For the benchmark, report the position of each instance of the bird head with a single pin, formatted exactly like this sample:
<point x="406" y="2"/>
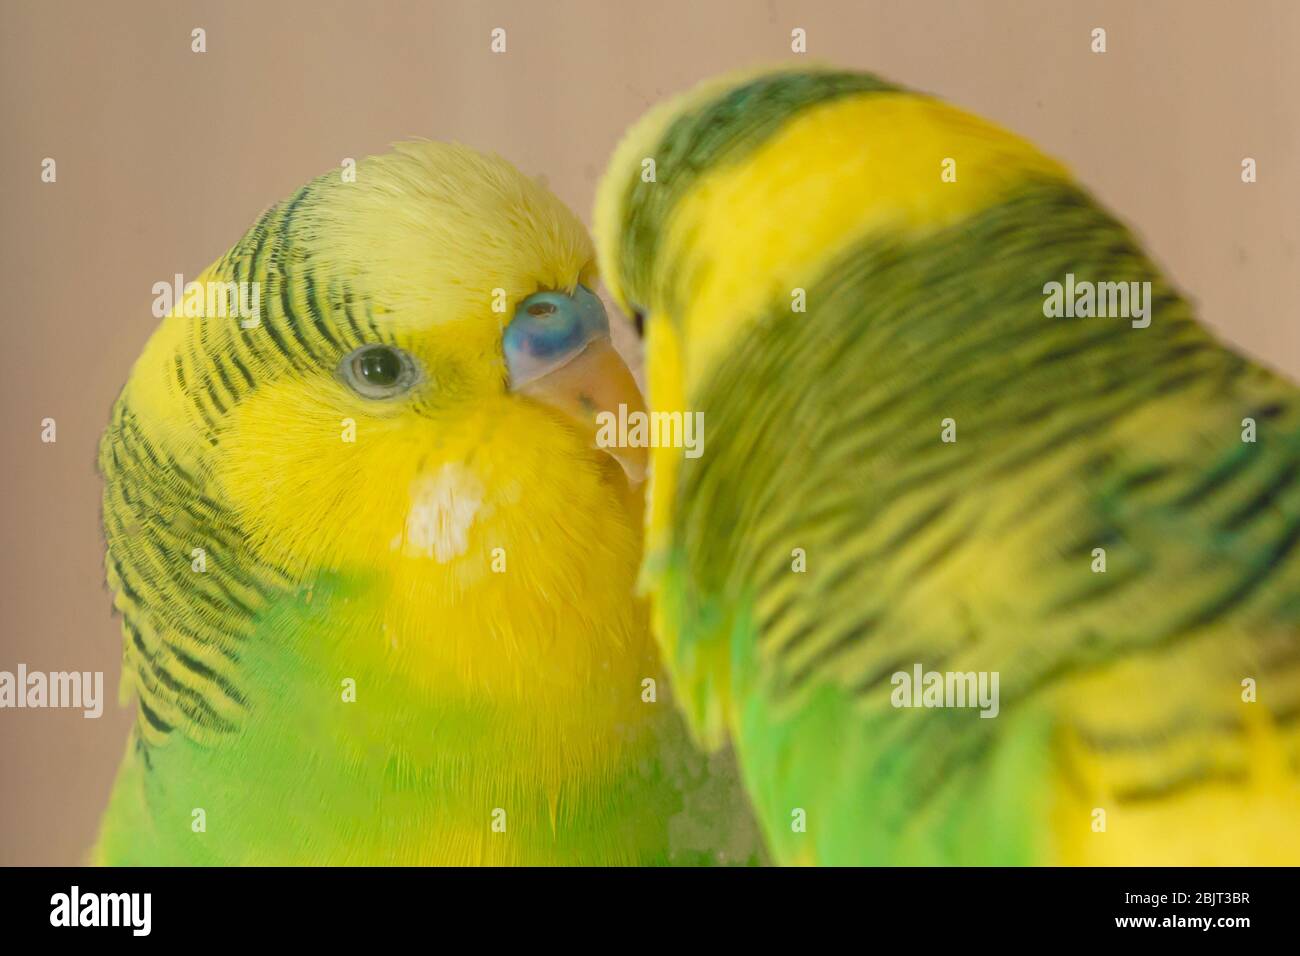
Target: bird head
<point x="412" y="398"/>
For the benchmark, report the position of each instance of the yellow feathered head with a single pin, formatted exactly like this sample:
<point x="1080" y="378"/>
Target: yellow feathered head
<point x="401" y="385"/>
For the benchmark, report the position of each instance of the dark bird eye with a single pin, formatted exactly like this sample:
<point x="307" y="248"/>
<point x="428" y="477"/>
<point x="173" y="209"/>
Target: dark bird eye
<point x="638" y="320"/>
<point x="379" y="371"/>
<point x="380" y="367"/>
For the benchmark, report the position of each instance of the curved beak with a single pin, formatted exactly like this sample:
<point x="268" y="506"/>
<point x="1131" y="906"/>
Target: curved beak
<point x="577" y="371"/>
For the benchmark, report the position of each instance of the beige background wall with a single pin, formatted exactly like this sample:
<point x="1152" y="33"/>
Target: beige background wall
<point x="165" y="157"/>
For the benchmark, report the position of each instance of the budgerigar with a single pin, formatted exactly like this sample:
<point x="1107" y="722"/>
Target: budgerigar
<point x="375" y="580"/>
<point x="920" y="460"/>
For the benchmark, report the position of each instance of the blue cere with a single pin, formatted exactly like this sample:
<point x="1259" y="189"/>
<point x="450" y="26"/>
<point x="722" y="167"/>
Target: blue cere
<point x="548" y="327"/>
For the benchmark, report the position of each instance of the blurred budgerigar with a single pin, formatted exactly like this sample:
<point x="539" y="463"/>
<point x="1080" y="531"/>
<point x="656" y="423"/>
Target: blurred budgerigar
<point x="993" y="551"/>
<point x="375" y="579"/>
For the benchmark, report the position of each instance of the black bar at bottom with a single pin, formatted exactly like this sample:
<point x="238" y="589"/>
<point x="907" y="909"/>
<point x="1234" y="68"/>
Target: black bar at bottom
<point x="332" y="905"/>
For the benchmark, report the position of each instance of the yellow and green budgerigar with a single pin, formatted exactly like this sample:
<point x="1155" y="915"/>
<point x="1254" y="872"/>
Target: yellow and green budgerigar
<point x="375" y="580"/>
<point x="923" y="472"/>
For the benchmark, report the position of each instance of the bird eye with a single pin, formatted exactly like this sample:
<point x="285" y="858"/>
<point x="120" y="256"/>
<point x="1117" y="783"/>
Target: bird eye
<point x="379" y="371"/>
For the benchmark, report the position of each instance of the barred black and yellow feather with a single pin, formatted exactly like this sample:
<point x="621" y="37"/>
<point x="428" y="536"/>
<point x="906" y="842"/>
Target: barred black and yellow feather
<point x="183" y="629"/>
<point x="392" y="628"/>
<point x="1120" y="690"/>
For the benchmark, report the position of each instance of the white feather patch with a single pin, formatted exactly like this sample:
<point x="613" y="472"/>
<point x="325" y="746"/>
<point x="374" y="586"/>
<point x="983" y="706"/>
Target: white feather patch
<point x="443" y="508"/>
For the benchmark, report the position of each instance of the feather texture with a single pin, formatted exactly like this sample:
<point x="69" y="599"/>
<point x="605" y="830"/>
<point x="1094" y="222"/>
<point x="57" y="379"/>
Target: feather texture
<point x="409" y="635"/>
<point x="1120" y="691"/>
